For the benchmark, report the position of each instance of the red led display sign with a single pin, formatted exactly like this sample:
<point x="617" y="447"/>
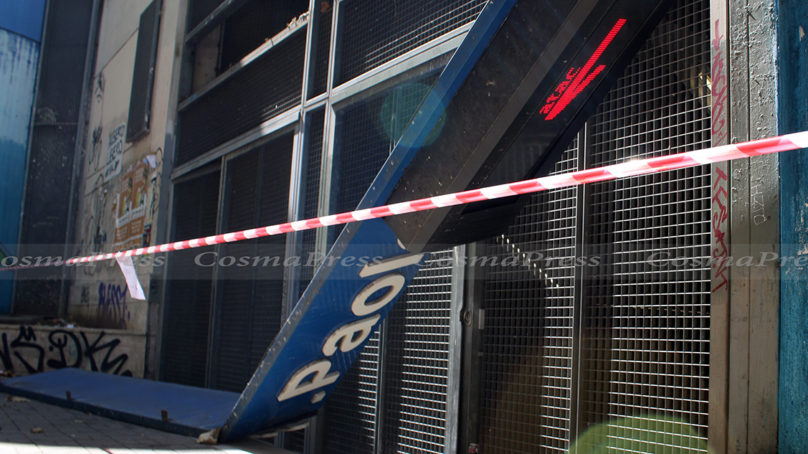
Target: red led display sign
<point x="578" y="78"/>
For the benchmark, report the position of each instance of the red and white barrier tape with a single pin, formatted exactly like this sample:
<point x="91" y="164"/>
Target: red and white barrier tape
<point x="626" y="169"/>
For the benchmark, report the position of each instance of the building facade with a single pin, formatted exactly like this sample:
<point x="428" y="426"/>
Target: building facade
<point x="617" y="310"/>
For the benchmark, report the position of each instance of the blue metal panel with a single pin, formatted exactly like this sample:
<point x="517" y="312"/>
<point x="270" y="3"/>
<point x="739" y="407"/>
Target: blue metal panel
<point x="18" y="68"/>
<point x="326" y="304"/>
<point x="23" y="17"/>
<point x="793" y="117"/>
<point x="187" y="409"/>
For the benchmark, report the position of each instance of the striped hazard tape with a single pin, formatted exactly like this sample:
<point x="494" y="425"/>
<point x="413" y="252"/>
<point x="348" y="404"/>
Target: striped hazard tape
<point x="625" y="169"/>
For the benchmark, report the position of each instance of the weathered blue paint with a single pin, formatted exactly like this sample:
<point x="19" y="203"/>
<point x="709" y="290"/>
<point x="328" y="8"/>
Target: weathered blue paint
<point x="18" y="68"/>
<point x="793" y="116"/>
<point x="23" y="17"/>
<point x="188" y="410"/>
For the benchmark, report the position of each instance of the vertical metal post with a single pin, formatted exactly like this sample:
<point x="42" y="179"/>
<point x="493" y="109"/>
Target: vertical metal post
<point x="720" y="235"/>
<point x="328" y="136"/>
<point x="215" y="291"/>
<point x="315" y="433"/>
<point x="579" y="289"/>
<point x="455" y="351"/>
<point x="291" y="274"/>
<point x="471" y="316"/>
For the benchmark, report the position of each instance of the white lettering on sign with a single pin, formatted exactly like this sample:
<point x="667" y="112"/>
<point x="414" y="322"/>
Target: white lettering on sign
<point x="392" y="282"/>
<point x="351" y="335"/>
<point x="318" y="370"/>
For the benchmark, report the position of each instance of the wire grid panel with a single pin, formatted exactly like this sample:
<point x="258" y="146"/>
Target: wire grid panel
<point x="646" y="332"/>
<point x="350" y="413"/>
<point x="416" y="365"/>
<point x="373" y="32"/>
<point x="528" y="299"/>
<point x="250" y="297"/>
<point x="253" y="23"/>
<point x="257" y="92"/>
<point x="366" y="132"/>
<point x="187" y="308"/>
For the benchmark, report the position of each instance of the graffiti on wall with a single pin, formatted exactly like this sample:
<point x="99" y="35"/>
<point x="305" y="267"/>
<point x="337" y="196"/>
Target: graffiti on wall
<point x="28" y="352"/>
<point x="112" y="307"/>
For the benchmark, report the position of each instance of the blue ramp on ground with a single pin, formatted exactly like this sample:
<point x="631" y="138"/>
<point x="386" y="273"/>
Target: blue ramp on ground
<point x="186" y="409"/>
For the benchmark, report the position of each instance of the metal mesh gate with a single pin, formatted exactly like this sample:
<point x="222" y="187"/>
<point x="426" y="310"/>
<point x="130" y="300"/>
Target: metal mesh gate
<point x="185" y="333"/>
<point x="417" y="361"/>
<point x="249" y="290"/>
<point x="526" y="401"/>
<point x="394" y="398"/>
<point x="641" y="368"/>
<point x="646" y="326"/>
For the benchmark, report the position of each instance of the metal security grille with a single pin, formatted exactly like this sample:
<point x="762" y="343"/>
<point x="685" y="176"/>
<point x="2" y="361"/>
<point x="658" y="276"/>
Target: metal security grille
<point x="252" y="24"/>
<point x="261" y="90"/>
<point x="350" y="414"/>
<point x="645" y="326"/>
<point x="641" y="368"/>
<point x="188" y="298"/>
<point x="528" y="298"/>
<point x="366" y="133"/>
<point x="361" y="147"/>
<point x="413" y="368"/>
<point x="373" y="32"/>
<point x="249" y="298"/>
<point x="416" y="361"/>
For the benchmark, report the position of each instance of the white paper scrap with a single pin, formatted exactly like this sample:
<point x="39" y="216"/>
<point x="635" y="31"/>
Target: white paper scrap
<point x="128" y="270"/>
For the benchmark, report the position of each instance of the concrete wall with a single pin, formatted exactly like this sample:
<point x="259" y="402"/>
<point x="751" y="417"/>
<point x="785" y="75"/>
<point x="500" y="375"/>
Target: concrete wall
<point x="20" y="33"/>
<point x="120" y="187"/>
<point x="27" y="349"/>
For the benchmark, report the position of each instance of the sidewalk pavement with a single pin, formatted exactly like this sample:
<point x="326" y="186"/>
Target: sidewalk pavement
<point x="31" y="427"/>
